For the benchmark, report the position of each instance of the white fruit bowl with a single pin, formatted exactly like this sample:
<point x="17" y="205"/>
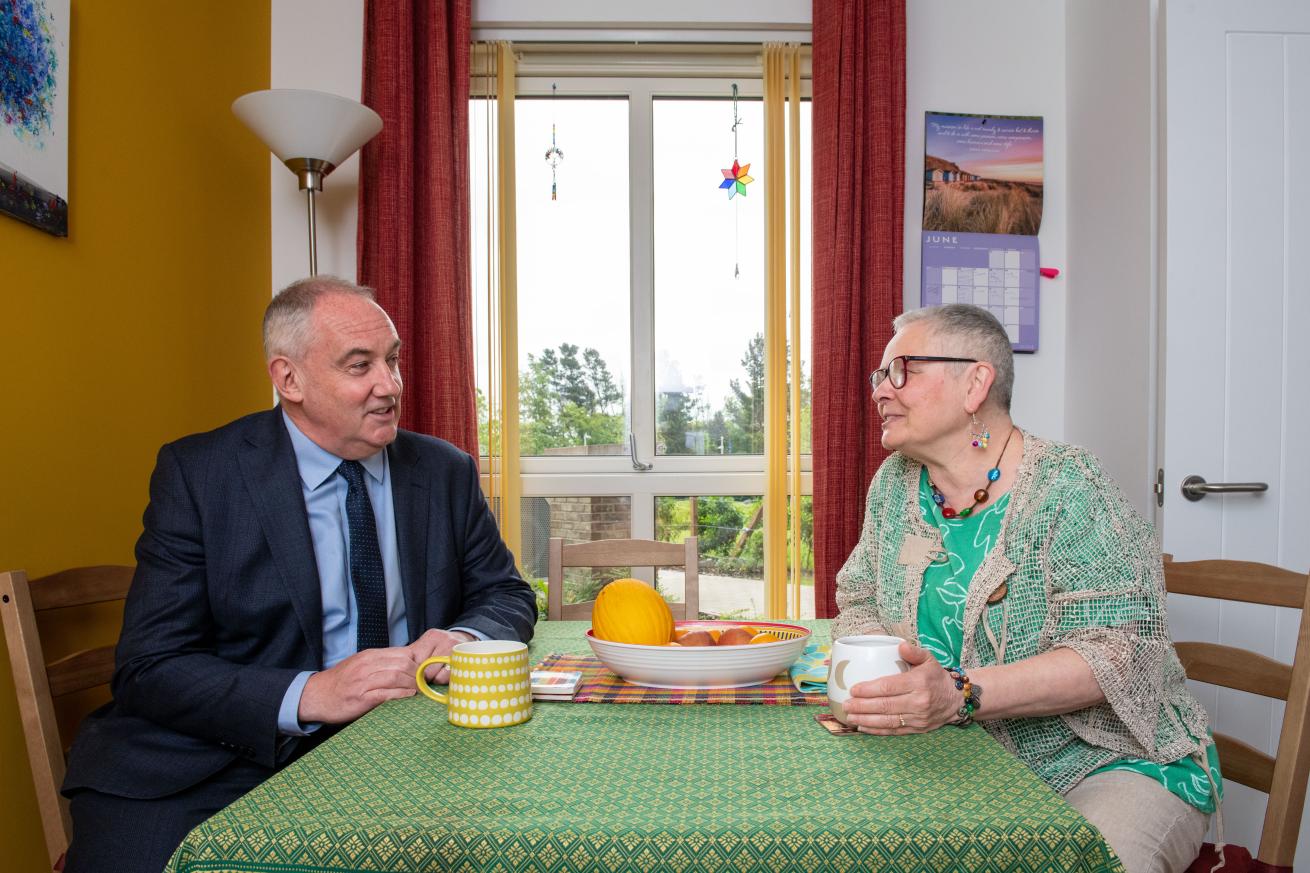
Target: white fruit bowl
<point x="705" y="666"/>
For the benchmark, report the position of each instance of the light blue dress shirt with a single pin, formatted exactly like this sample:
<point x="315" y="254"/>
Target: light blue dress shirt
<point x="325" y="502"/>
<point x="324" y="491"/>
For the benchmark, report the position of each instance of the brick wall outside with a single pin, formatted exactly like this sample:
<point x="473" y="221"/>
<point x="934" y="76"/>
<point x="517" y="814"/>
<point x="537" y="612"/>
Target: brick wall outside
<point x="576" y="519"/>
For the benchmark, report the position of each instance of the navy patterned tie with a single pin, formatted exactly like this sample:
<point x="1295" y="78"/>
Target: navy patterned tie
<point x="365" y="561"/>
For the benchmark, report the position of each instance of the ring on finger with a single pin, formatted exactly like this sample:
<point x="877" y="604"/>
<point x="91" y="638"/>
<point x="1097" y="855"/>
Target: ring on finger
<point x="902" y="720"/>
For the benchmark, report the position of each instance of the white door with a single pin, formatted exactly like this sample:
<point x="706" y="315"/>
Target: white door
<point x="1237" y="330"/>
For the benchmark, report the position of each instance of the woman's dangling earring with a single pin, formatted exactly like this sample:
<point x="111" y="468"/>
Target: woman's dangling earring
<point x="978" y="432"/>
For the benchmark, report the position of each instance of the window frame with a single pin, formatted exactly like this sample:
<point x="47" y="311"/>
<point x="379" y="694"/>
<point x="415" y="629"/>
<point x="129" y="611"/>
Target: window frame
<point x="670" y="475"/>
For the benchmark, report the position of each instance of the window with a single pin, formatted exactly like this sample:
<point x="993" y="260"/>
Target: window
<point x="731" y="546"/>
<point x="640" y="322"/>
<point x="709" y="286"/>
<point x="573" y="266"/>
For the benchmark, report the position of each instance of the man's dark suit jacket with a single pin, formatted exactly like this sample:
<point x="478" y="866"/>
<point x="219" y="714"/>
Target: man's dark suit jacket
<point x="225" y="608"/>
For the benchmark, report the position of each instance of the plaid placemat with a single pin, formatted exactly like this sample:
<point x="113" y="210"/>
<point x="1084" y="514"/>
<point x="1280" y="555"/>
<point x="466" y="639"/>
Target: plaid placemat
<point x="601" y="685"/>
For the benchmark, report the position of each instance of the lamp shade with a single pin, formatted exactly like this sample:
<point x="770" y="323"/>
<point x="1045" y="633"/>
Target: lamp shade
<point x="298" y="124"/>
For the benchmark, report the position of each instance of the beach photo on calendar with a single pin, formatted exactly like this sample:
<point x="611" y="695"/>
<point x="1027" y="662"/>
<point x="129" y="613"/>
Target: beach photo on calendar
<point x="982" y="173"/>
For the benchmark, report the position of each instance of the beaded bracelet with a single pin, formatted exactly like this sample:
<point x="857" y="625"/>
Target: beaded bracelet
<point x="972" y="696"/>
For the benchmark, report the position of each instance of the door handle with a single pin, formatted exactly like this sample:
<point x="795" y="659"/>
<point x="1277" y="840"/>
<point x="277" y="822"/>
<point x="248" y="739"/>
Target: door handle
<point x="1194" y="487"/>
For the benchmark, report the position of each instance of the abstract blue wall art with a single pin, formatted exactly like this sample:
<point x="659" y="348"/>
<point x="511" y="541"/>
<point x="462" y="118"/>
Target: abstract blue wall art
<point x="34" y="112"/>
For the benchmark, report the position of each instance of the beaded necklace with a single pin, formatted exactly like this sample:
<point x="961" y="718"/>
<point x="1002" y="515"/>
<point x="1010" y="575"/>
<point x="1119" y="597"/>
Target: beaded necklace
<point x="979" y="496"/>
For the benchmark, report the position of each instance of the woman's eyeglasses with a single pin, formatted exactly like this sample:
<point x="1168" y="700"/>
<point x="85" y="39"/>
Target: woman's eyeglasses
<point x="897" y="373"/>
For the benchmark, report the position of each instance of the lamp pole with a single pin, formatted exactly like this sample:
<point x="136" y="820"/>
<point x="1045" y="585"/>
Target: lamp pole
<point x="309" y="174"/>
<point x="313" y="235"/>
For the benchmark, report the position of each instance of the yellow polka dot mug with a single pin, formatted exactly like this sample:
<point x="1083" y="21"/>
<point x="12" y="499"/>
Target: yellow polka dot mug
<point x="490" y="684"/>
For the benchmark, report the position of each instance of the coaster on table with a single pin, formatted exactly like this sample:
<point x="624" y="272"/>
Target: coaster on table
<point x="829" y="722"/>
<point x="555" y="684"/>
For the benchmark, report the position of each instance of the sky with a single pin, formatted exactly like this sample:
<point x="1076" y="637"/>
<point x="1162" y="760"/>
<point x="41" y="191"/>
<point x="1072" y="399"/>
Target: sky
<point x="994" y="148"/>
<point x="573" y="253"/>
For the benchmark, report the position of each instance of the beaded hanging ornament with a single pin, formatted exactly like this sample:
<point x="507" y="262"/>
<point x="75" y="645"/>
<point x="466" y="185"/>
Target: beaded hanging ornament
<point x="980" y="435"/>
<point x="735" y="180"/>
<point x="553" y="154"/>
<point x="980" y="496"/>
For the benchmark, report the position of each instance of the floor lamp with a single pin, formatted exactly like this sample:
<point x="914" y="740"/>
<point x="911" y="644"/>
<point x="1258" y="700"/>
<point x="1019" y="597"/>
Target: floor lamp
<point x="311" y="132"/>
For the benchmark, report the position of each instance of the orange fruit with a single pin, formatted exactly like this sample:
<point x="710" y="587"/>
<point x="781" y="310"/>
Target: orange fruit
<point x="736" y="636"/>
<point x="765" y="637"/>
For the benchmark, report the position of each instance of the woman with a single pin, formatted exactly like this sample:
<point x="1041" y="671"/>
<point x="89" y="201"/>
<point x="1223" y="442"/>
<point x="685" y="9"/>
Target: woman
<point x="1017" y="565"/>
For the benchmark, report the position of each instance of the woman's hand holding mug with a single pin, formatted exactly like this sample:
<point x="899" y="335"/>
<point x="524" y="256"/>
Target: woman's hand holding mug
<point x="885" y="685"/>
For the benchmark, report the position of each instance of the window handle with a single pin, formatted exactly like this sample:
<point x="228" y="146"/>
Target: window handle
<point x="636" y="462"/>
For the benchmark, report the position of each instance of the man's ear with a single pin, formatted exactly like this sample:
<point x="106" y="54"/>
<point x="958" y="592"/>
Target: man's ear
<point x="286" y="379"/>
<point x="981" y="377"/>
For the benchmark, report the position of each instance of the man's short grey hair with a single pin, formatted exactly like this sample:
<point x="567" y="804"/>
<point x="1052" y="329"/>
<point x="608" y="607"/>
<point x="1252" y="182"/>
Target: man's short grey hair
<point x="973" y="333"/>
<point x="286" y="320"/>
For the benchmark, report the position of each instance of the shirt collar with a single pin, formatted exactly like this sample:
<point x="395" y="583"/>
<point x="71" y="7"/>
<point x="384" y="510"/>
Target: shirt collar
<point x="316" y="464"/>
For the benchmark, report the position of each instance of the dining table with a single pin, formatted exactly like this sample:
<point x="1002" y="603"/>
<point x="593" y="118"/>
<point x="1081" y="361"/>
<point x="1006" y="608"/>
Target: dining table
<point x="639" y="786"/>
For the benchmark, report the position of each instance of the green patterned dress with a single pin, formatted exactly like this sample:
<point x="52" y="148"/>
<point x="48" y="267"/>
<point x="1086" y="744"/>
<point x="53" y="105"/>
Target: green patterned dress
<point x="966" y="542"/>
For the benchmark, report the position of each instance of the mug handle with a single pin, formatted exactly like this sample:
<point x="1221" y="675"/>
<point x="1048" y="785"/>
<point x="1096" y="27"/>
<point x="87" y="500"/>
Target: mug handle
<point x="422" y="683"/>
<point x="838" y="679"/>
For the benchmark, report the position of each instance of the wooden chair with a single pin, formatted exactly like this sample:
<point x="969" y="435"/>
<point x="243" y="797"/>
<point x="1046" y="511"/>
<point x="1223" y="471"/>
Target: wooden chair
<point x="621" y="553"/>
<point x="1282" y="777"/>
<point x="39" y="683"/>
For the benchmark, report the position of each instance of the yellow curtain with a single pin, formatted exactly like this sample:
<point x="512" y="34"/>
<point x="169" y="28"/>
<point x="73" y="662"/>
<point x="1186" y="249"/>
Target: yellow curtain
<point x="781" y="166"/>
<point x="504" y="487"/>
<point x="794" y="307"/>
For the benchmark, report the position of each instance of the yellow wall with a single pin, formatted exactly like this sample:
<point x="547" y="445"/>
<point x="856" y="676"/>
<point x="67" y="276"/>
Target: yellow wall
<point x="143" y="324"/>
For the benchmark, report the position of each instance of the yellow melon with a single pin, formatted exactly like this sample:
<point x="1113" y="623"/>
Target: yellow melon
<point x="630" y="611"/>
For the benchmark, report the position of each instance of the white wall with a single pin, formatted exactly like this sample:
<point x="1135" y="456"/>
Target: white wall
<point x="999" y="57"/>
<point x="1008" y="57"/>
<point x="316" y="44"/>
<point x="1110" y="380"/>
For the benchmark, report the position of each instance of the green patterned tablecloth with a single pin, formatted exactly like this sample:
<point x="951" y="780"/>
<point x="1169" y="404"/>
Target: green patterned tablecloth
<point x="641" y="787"/>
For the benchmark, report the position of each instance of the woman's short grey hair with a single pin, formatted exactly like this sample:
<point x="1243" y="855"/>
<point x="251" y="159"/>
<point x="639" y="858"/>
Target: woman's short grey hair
<point x="286" y="320"/>
<point x="974" y="333"/>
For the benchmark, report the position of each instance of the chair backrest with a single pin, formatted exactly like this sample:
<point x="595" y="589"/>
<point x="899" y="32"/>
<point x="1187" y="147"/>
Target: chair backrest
<point x="621" y="553"/>
<point x="39" y="683"/>
<point x="1282" y="777"/>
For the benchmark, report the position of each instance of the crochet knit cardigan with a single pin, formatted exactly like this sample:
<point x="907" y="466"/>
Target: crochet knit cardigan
<point x="1080" y="569"/>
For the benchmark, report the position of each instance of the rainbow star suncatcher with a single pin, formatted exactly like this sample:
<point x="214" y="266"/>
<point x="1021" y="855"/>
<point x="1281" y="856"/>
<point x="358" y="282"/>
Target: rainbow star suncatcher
<point x="735" y="179"/>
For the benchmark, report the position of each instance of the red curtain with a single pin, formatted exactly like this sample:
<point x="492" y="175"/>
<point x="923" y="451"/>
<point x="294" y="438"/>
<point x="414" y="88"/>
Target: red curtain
<point x="859" y="185"/>
<point x="413" y="240"/>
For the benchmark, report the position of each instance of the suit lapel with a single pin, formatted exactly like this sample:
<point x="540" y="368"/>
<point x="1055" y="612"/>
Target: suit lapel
<point x="268" y="466"/>
<point x="410" y="500"/>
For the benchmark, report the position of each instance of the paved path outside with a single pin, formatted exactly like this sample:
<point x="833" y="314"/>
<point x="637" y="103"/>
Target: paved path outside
<point x="724" y="594"/>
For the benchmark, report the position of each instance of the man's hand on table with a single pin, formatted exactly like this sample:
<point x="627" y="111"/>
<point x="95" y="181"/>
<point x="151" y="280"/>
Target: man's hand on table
<point x="436" y="642"/>
<point x="354" y="686"/>
<point x="359" y="683"/>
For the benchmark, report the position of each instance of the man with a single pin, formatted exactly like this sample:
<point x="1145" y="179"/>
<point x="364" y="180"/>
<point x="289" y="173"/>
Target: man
<point x="295" y="568"/>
